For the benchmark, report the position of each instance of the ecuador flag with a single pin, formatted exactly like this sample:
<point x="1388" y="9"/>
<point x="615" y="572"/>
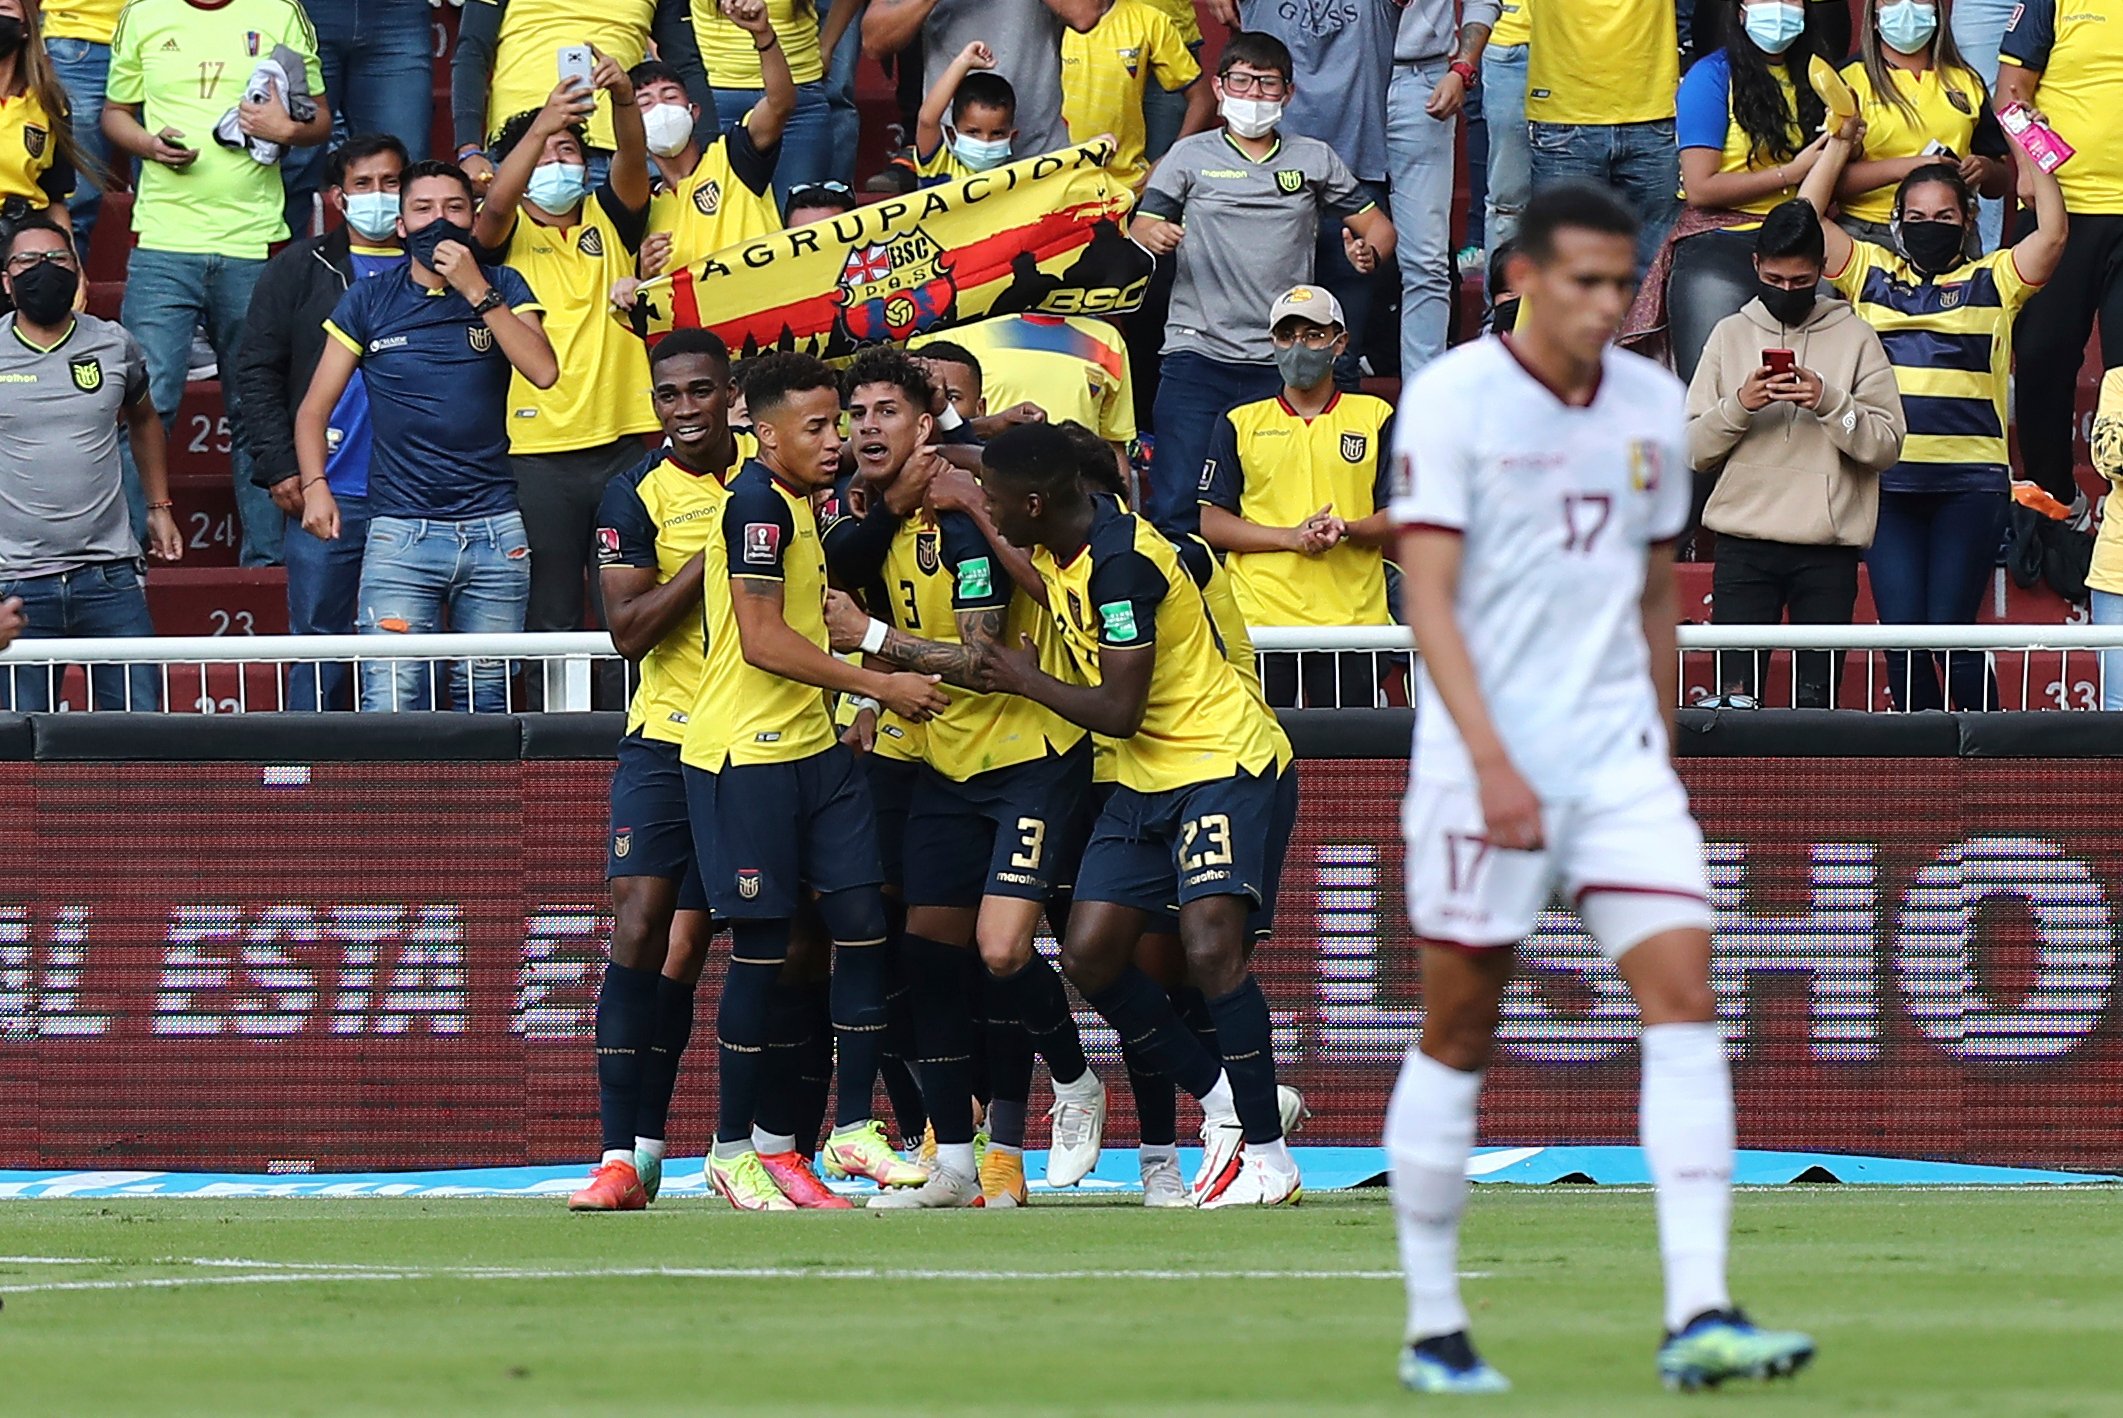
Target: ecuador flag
<point x="1043" y="235"/>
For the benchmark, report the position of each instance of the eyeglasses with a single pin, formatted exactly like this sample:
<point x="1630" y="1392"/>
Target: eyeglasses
<point x="24" y="262"/>
<point x="1317" y="337"/>
<point x="1266" y="85"/>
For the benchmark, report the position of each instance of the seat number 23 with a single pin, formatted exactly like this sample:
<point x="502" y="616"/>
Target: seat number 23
<point x="1205" y="842"/>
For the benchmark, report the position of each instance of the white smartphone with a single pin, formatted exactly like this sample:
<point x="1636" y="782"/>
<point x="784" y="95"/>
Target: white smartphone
<point x="576" y="63"/>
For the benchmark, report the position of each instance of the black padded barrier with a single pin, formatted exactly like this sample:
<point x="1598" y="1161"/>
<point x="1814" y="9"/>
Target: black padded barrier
<point x="277" y="738"/>
<point x="18" y="742"/>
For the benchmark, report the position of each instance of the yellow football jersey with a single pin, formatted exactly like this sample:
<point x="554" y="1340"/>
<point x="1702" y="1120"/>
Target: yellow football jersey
<point x="527" y="59"/>
<point x="719" y="205"/>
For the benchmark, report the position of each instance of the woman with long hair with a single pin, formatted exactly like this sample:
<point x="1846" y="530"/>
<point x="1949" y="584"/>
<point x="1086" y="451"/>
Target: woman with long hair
<point x="39" y="161"/>
<point x="1922" y="104"/>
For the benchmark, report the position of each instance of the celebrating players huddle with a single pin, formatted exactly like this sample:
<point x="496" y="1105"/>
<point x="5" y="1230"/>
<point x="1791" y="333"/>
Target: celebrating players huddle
<point x="888" y="719"/>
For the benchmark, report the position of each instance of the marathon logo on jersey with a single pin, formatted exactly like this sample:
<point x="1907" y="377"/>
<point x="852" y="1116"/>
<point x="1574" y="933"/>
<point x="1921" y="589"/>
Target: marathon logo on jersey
<point x="748" y="882"/>
<point x="1644" y="465"/>
<point x="388" y="342"/>
<point x="762" y="543"/>
<point x="707" y="198"/>
<point x="1355" y="446"/>
<point x="87" y="372"/>
<point x="591" y="242"/>
<point x="1118" y="617"/>
<point x="479" y="337"/>
<point x="34" y="139"/>
<point x="927" y="555"/>
<point x="622" y="842"/>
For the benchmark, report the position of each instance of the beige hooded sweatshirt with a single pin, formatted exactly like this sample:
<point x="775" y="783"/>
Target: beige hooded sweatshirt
<point x="1804" y="477"/>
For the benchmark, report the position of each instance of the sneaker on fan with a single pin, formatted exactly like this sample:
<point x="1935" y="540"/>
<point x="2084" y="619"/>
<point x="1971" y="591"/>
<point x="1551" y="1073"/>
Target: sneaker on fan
<point x="944" y="1190"/>
<point x="1163" y="1186"/>
<point x="792" y="1174"/>
<point x="1079" y="1115"/>
<point x="614" y="1186"/>
<point x="1259" y="1183"/>
<point x="1223" y="1140"/>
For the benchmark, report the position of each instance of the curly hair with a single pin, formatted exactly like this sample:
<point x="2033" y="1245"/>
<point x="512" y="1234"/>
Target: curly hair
<point x="1774" y="133"/>
<point x="888" y="364"/>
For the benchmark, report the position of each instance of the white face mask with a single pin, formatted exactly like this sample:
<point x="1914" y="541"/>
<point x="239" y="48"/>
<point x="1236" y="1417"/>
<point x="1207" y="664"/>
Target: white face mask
<point x="669" y="128"/>
<point x="1250" y="117"/>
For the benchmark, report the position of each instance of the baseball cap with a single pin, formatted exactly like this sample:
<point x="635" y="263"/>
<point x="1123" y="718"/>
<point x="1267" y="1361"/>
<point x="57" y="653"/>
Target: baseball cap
<point x="1314" y="303"/>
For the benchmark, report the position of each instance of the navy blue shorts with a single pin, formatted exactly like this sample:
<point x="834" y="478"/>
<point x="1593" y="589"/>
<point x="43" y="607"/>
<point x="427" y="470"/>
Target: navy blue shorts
<point x="891" y="791"/>
<point x="1013" y="831"/>
<point x="778" y="831"/>
<point x="651" y="834"/>
<point x="1280" y="829"/>
<point x="1153" y="851"/>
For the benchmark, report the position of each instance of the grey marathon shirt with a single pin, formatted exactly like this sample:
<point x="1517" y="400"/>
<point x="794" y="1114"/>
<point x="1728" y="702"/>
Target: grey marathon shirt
<point x="62" y="495"/>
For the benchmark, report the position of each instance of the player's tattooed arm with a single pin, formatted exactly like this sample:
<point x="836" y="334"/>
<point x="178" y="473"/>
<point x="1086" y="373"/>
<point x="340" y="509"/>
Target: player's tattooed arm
<point x="771" y="645"/>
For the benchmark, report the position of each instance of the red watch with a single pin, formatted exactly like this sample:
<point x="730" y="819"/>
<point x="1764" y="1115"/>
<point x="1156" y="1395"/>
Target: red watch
<point x="1466" y="71"/>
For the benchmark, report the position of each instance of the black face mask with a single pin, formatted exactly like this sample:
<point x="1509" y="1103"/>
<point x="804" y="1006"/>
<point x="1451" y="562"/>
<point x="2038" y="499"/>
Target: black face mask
<point x="1787" y="307"/>
<point x="1932" y="247"/>
<point x="11" y="35"/>
<point x="45" y="293"/>
<point x="1505" y="316"/>
<point x="420" y="245"/>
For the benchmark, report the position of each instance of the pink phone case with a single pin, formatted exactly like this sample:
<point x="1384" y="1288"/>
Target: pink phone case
<point x="2039" y="141"/>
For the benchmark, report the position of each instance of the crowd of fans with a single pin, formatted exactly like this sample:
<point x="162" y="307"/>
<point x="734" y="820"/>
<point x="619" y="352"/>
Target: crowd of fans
<point x="1839" y="292"/>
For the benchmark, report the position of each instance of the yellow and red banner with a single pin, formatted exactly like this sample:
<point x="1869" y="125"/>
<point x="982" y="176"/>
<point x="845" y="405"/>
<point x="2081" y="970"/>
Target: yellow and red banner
<point x="1045" y="235"/>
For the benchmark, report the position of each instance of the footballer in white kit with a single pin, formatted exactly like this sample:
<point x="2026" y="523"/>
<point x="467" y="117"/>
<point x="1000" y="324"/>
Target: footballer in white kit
<point x="1541" y="485"/>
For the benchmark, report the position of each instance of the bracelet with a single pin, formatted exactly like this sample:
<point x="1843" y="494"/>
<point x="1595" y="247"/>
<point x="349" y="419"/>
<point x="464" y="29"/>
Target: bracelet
<point x="772" y="40"/>
<point x="306" y="486"/>
<point x="468" y="149"/>
<point x="160" y="506"/>
<point x="873" y="639"/>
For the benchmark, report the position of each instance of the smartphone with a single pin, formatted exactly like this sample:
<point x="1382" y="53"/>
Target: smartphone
<point x="576" y="63"/>
<point x="1779" y="362"/>
<point x="2039" y="141"/>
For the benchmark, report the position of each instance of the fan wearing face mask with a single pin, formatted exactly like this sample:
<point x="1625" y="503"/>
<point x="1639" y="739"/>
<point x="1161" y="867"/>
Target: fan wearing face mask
<point x="1922" y="104"/>
<point x="573" y="245"/>
<point x="1947" y="323"/>
<point x="968" y="120"/>
<point x="714" y="195"/>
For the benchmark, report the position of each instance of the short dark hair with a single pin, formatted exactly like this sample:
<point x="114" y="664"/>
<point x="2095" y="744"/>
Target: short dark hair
<point x="1792" y="229"/>
<point x="693" y="341"/>
<point x="770" y="379"/>
<point x="888" y="364"/>
<point x="433" y="167"/>
<point x="655" y="71"/>
<point x="16" y="229"/>
<point x="836" y="195"/>
<point x="1499" y="259"/>
<point x="1040" y="455"/>
<point x="1261" y="51"/>
<point x="518" y="126"/>
<point x="951" y="352"/>
<point x="1094" y="458"/>
<point x="1944" y="172"/>
<point x="1572" y="205"/>
<point x="987" y="89"/>
<point x="360" y="148"/>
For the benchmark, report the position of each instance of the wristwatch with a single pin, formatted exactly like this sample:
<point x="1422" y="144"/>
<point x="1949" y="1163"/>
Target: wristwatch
<point x="1466" y="71"/>
<point x="489" y="301"/>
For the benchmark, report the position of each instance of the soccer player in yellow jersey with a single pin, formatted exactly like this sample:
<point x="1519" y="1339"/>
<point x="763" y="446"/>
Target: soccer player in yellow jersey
<point x="992" y="813"/>
<point x="780" y="811"/>
<point x="654" y="532"/>
<point x="1191" y="818"/>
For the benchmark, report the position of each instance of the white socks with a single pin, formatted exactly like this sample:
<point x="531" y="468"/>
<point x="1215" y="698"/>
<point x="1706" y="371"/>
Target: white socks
<point x="1684" y="1118"/>
<point x="955" y="1157"/>
<point x="1429" y="1136"/>
<point x="649" y="1147"/>
<point x="617" y="1154"/>
<point x="770" y="1144"/>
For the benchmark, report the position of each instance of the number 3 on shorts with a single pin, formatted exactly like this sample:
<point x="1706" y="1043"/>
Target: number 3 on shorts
<point x="1032" y="839"/>
<point x="1216" y="827"/>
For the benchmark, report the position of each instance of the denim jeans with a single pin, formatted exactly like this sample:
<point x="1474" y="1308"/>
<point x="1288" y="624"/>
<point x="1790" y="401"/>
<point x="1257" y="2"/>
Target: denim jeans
<point x="1510" y="160"/>
<point x="1978" y="30"/>
<point x="169" y="294"/>
<point x="1164" y="110"/>
<point x="1712" y="277"/>
<point x="1638" y="160"/>
<point x="2107" y="608"/>
<point x="1930" y="560"/>
<point x="1192" y="391"/>
<point x="840" y="96"/>
<point x="414" y="574"/>
<point x="84" y="67"/>
<point x="807" y="153"/>
<point x="1420" y="149"/>
<point x="106" y="598"/>
<point x="323" y="589"/>
<point x="378" y="74"/>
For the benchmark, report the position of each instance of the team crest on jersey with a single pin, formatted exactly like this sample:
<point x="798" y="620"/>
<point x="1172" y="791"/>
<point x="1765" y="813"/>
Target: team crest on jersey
<point x="1289" y="179"/>
<point x="479" y="337"/>
<point x="1950" y="297"/>
<point x="892" y="289"/>
<point x="87" y="372"/>
<point x="622" y="841"/>
<point x="35" y="139"/>
<point x="707" y="198"/>
<point x="591" y="242"/>
<point x="1644" y="465"/>
<point x="1131" y="58"/>
<point x="1354" y="446"/>
<point x="1960" y="101"/>
<point x="927" y="554"/>
<point x="1076" y="612"/>
<point x="762" y="543"/>
<point x="748" y="882"/>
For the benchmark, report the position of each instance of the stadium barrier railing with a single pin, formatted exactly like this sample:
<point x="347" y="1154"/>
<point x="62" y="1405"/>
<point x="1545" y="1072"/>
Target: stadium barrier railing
<point x="2025" y="667"/>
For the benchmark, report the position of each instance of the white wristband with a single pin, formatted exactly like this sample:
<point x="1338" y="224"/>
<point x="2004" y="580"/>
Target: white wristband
<point x="860" y="702"/>
<point x="873" y="639"/>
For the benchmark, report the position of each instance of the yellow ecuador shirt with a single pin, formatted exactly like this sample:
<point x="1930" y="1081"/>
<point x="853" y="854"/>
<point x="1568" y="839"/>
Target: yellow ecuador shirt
<point x="2107" y="445"/>
<point x="1106" y="71"/>
<point x="603" y="390"/>
<point x="1181" y="13"/>
<point x="2077" y="46"/>
<point x="1514" y="25"/>
<point x="27" y="148"/>
<point x="527" y="57"/>
<point x="728" y="199"/>
<point x="1232" y="631"/>
<point x="731" y="57"/>
<point x="742" y="714"/>
<point x="1602" y="62"/>
<point x="1947" y="107"/>
<point x="92" y="20"/>
<point x="1073" y="367"/>
<point x="1126" y="591"/>
<point x="1273" y="466"/>
<point x="663" y="515"/>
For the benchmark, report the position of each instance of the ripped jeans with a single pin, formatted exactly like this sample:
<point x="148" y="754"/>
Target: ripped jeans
<point x="413" y="571"/>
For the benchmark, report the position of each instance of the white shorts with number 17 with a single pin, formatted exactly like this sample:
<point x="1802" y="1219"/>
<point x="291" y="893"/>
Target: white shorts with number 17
<point x="1629" y="858"/>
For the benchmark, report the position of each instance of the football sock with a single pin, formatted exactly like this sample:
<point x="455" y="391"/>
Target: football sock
<point x="1684" y="1118"/>
<point x="650" y="1147"/>
<point x="626" y="1022"/>
<point x="1156" y="1104"/>
<point x="1010" y="1063"/>
<point x="1140" y="1013"/>
<point x="771" y="1144"/>
<point x="944" y="1036"/>
<point x="1244" y="1031"/>
<point x="1006" y="1123"/>
<point x="1035" y="997"/>
<point x="815" y="1078"/>
<point x="1429" y="1136"/>
<point x="659" y="1069"/>
<point x="858" y="995"/>
<point x="781" y="1086"/>
<point x="617" y="1154"/>
<point x="978" y="1001"/>
<point x="1193" y="1008"/>
<point x="956" y="1157"/>
<point x="1157" y="1152"/>
<point x="743" y="1023"/>
<point x="896" y="1065"/>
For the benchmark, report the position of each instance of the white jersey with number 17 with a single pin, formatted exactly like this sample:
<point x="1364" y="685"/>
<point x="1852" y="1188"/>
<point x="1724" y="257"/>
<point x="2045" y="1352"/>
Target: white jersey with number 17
<point x="1557" y="506"/>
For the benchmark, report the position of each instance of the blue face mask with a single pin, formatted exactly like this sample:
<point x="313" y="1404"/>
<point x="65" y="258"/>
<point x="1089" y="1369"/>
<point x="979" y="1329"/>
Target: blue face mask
<point x="372" y="215"/>
<point x="1907" y="26"/>
<point x="557" y="187"/>
<point x="980" y="154"/>
<point x="1775" y="27"/>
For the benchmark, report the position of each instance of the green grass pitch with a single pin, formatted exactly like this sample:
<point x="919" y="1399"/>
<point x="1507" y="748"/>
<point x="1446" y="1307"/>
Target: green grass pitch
<point x="1924" y="1302"/>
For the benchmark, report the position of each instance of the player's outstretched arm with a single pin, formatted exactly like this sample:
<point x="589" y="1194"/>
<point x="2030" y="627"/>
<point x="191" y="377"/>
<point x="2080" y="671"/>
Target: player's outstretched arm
<point x="1113" y="707"/>
<point x="773" y="646"/>
<point x="1662" y="613"/>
